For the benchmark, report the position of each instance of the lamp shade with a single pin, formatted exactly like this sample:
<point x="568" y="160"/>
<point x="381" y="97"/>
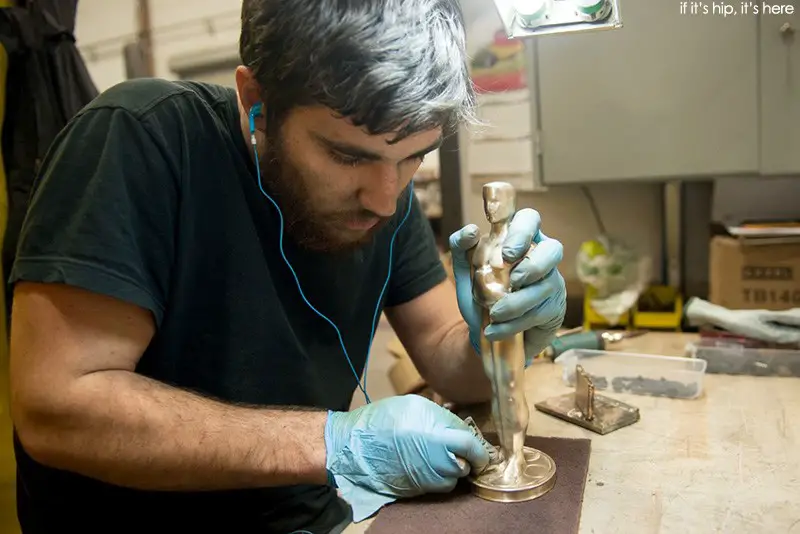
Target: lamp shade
<point x="530" y="18"/>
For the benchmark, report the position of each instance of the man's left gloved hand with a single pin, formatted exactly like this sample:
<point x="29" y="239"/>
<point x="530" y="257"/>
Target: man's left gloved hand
<point x="538" y="301"/>
<point x="398" y="447"/>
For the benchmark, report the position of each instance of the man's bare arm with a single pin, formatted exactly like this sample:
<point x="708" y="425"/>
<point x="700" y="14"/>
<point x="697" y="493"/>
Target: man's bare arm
<point x="77" y="405"/>
<point x="437" y="339"/>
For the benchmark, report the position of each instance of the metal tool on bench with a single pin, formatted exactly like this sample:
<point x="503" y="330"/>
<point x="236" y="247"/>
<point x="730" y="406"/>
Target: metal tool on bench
<point x="578" y="338"/>
<point x="517" y="472"/>
<point x="588" y="409"/>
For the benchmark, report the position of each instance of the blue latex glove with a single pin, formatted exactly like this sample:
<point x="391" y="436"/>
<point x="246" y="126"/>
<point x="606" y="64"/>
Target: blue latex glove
<point x="398" y="447"/>
<point x="782" y="327"/>
<point x="538" y="301"/>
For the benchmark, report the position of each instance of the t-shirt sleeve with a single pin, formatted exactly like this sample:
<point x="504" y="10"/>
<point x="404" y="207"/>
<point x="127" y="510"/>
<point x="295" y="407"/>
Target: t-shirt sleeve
<point x="102" y="214"/>
<point x="416" y="266"/>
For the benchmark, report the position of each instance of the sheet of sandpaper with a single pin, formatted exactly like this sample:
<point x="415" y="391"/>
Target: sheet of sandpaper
<point x="460" y="512"/>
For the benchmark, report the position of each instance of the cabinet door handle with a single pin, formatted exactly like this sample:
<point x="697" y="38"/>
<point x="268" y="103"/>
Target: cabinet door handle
<point x="787" y="29"/>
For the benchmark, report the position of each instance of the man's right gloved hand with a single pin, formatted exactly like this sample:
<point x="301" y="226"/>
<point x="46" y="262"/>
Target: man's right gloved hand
<point x="398" y="447"/>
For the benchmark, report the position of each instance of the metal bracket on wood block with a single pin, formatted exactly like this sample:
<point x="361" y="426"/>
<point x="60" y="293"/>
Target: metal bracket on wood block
<point x="589" y="410"/>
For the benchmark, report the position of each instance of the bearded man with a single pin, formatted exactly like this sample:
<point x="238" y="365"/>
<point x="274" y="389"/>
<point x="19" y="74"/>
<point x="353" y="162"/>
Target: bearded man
<point x="201" y="270"/>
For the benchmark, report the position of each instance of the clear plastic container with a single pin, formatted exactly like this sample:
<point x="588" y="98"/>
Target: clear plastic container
<point x="638" y="374"/>
<point x="737" y="360"/>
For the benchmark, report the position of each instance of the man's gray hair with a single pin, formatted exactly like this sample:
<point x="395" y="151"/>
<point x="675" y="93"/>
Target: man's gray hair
<point x="388" y="65"/>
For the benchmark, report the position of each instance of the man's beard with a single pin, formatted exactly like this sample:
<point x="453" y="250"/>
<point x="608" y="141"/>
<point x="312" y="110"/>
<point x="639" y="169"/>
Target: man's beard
<point x="303" y="224"/>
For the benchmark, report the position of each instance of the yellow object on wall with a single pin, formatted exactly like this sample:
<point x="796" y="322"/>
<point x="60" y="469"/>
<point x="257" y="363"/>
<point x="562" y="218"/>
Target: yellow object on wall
<point x="659" y="308"/>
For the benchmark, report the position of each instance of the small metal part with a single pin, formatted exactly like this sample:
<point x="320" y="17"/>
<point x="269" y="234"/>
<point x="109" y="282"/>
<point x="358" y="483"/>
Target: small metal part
<point x="584" y="393"/>
<point x="612" y="337"/>
<point x="589" y="410"/>
<point x="617" y="336"/>
<point x="536" y="478"/>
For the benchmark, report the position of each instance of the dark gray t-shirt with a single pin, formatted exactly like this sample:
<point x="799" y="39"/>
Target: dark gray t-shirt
<point x="149" y="195"/>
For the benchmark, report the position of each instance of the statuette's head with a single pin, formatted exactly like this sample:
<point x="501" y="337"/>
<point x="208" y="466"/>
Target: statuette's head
<point x="499" y="201"/>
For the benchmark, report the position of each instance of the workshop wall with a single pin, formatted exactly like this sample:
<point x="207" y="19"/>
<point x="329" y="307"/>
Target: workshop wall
<point x="629" y="211"/>
<point x="103" y="27"/>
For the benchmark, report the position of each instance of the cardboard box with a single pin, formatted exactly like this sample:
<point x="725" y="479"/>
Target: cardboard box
<point x="754" y="273"/>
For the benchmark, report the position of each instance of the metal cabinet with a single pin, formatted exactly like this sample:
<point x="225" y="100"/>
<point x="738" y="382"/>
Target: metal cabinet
<point x="668" y="95"/>
<point x="780" y="92"/>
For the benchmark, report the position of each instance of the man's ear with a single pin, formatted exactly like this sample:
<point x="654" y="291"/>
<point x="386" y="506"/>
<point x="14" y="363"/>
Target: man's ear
<point x="249" y="93"/>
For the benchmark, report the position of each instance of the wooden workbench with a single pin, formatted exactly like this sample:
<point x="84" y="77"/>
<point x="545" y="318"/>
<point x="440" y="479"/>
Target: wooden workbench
<point x="727" y="462"/>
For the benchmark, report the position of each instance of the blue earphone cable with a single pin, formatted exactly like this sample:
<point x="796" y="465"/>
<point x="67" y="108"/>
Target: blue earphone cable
<point x="386" y="283"/>
<point x="256" y="110"/>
